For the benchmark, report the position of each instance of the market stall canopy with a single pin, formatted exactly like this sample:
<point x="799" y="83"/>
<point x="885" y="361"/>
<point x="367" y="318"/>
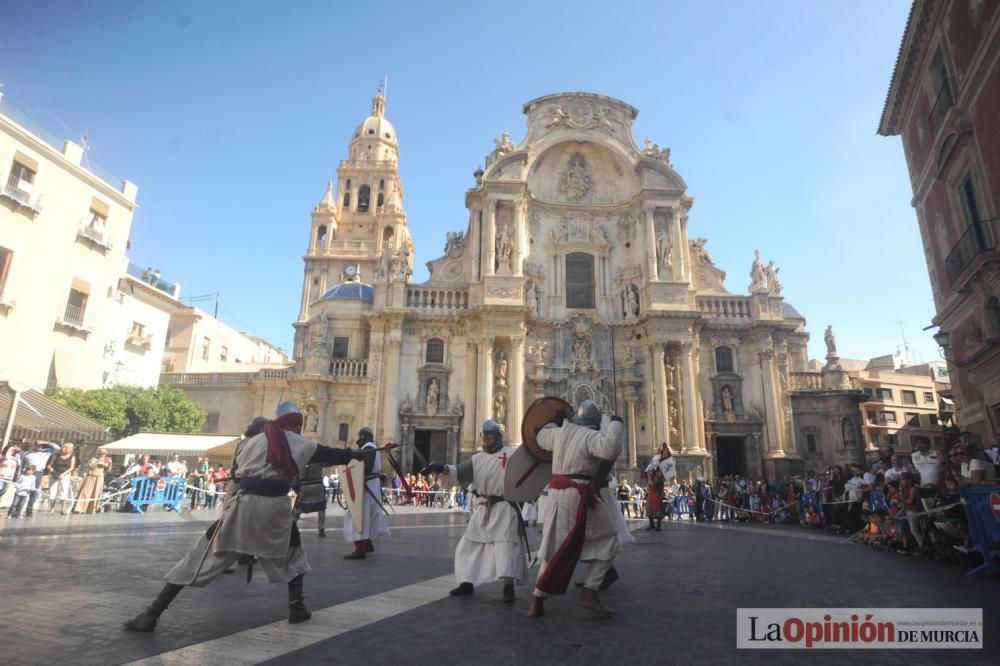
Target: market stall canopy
<point x="39" y="417"/>
<point x="165" y="444"/>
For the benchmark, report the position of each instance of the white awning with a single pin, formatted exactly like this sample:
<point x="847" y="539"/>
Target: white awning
<point x="165" y="444"/>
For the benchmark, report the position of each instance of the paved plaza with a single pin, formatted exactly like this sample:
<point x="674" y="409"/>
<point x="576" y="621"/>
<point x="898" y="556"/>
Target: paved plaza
<point x="68" y="584"/>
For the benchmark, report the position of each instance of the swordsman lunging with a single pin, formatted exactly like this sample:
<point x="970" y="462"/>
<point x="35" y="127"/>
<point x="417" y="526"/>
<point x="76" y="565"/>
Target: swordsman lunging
<point x="493" y="546"/>
<point x="578" y="527"/>
<point x="373" y="523"/>
<point x="256" y="518"/>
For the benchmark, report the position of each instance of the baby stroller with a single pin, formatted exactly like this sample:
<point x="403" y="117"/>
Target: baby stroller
<point x="110" y="500"/>
<point x="944" y="531"/>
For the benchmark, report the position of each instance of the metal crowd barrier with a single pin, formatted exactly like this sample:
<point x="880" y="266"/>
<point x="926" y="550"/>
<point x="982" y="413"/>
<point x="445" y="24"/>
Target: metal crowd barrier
<point x="166" y="491"/>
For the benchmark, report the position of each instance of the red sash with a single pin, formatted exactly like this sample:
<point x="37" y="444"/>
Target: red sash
<point x="559" y="569"/>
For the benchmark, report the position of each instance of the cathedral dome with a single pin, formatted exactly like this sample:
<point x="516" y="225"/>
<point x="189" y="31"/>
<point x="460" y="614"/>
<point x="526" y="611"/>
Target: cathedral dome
<point x="350" y="291"/>
<point x="376" y="126"/>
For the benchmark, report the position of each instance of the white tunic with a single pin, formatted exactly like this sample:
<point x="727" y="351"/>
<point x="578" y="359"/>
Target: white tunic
<point x="489" y="549"/>
<point x="666" y="465"/>
<point x="579" y="451"/>
<point x="375" y="524"/>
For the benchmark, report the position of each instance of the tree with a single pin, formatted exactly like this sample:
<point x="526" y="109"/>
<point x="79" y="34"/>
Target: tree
<point x="126" y="410"/>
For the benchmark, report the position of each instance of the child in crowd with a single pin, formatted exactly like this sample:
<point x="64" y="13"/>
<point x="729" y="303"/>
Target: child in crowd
<point x="27" y="484"/>
<point x="813" y="517"/>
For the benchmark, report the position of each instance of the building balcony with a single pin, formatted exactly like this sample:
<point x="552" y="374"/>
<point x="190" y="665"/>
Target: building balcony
<point x="139" y="341"/>
<point x="806" y="381"/>
<point x="170" y="288"/>
<point x="979" y="239"/>
<point x="734" y="307"/>
<point x="20" y="193"/>
<point x="93" y="235"/>
<point x="347" y="367"/>
<point x="944" y="101"/>
<point x="72" y="319"/>
<point x="436" y="300"/>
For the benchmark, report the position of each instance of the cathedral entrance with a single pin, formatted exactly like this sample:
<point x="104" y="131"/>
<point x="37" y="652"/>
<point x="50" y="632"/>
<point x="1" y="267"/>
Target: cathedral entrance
<point x="731" y="455"/>
<point x="432" y="445"/>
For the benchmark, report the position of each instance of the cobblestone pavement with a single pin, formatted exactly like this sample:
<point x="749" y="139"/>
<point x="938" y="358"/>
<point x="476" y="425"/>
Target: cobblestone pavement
<point x="68" y="584"/>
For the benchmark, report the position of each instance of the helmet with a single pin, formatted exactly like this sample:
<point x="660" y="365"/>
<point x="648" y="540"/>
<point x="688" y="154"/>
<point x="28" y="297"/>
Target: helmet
<point x="287" y="407"/>
<point x="367" y="434"/>
<point x="490" y="425"/>
<point x="587" y="414"/>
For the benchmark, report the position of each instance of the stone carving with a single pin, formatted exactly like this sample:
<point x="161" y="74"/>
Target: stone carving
<point x="560" y="232"/>
<point x="503" y="292"/>
<point x="664" y="247"/>
<point x="318" y="334"/>
<point x="630" y="299"/>
<point x="582" y="114"/>
<point x="575" y="181"/>
<point x="457" y="407"/>
<point x="538" y="353"/>
<point x="407" y="405"/>
<point x="831" y="341"/>
<point x="433" y="392"/>
<point x="531" y="298"/>
<point x="599" y="235"/>
<point x="582" y="351"/>
<point x="849" y="433"/>
<point x="651" y="149"/>
<point x="771" y="273"/>
<point x="312" y="419"/>
<point x="504" y="144"/>
<point x="500" y="408"/>
<point x="626" y="229"/>
<point x="758" y="284"/>
<point x="628" y="359"/>
<point x="500" y="371"/>
<point x="405" y="266"/>
<point x="674" y="417"/>
<point x="504" y="246"/>
<point x="455" y="245"/>
<point x="727" y="403"/>
<point x="754" y="414"/>
<point x="699" y="251"/>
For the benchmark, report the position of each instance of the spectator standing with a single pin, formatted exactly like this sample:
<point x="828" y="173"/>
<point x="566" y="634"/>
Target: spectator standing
<point x="38" y="458"/>
<point x="93" y="482"/>
<point x="175" y="467"/>
<point x="27" y="485"/>
<point x="10" y="468"/>
<point x="61" y="468"/>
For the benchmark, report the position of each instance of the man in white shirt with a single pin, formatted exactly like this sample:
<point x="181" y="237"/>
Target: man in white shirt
<point x="175" y="467"/>
<point x="929" y="464"/>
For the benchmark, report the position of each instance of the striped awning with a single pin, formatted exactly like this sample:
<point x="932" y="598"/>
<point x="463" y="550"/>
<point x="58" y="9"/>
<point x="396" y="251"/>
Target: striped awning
<point x="39" y="417"/>
<point x="165" y="444"/>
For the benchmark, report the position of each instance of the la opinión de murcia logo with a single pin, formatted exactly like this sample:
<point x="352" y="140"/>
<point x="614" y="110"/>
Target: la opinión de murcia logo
<point x="810" y="628"/>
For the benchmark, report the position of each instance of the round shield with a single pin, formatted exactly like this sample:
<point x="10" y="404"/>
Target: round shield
<point x="540" y="412"/>
<point x="525" y="476"/>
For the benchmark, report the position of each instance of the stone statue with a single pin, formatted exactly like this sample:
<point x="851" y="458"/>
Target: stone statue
<point x="754" y="414"/>
<point x="671" y="371"/>
<point x="312" y="419"/>
<point x="539" y="352"/>
<point x="500" y="371"/>
<point x="699" y="251"/>
<point x="771" y="273"/>
<point x="499" y="407"/>
<point x="850" y="433"/>
<point x="626" y="229"/>
<point x="831" y="341"/>
<point x="504" y="245"/>
<point x="758" y="284"/>
<point x="404" y="259"/>
<point x="631" y="301"/>
<point x="574" y="182"/>
<point x="727" y="400"/>
<point x="581" y="351"/>
<point x="504" y="144"/>
<point x="531" y="298"/>
<point x="432" y="397"/>
<point x="628" y="359"/>
<point x="407" y="405"/>
<point x="560" y="233"/>
<point x="457" y="407"/>
<point x="664" y="247"/>
<point x="674" y="418"/>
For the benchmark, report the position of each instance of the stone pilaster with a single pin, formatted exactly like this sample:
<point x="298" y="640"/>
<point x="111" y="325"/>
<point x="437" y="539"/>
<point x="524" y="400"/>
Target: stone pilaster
<point x="516" y="411"/>
<point x="390" y="408"/>
<point x="490" y="237"/>
<point x="692" y="402"/>
<point x="660" y="406"/>
<point x="772" y="406"/>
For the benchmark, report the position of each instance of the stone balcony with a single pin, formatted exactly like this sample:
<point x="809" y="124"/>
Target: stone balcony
<point x="728" y="307"/>
<point x="432" y="299"/>
<point x="349" y="367"/>
<point x="805" y="381"/>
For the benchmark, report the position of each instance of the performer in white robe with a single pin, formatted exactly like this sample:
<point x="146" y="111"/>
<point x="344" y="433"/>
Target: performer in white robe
<point x="374" y="524"/>
<point x="578" y="527"/>
<point x="256" y="518"/>
<point x="493" y="546"/>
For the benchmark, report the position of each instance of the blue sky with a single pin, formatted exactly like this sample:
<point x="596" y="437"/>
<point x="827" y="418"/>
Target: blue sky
<point x="231" y="118"/>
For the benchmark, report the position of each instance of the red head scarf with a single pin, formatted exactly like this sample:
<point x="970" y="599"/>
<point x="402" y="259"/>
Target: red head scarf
<point x="279" y="455"/>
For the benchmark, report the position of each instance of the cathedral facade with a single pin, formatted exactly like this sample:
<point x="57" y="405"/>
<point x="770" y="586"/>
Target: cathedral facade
<point x="576" y="275"/>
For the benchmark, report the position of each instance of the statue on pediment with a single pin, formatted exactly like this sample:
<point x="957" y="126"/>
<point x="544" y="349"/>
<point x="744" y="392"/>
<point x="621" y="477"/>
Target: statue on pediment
<point x="758" y="281"/>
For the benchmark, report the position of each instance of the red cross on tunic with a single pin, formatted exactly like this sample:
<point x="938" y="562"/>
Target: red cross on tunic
<point x="503" y="460"/>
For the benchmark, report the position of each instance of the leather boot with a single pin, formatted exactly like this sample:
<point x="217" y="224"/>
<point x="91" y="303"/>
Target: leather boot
<point x="297" y="611"/>
<point x="147" y="619"/>
<point x="589" y="600"/>
<point x="463" y="590"/>
<point x="537" y="607"/>
<point x="508" y="593"/>
<point x="609" y="579"/>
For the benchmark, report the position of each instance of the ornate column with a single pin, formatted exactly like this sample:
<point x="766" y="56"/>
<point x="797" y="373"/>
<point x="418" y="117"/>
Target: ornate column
<point x="390" y="400"/>
<point x="306" y="291"/>
<point x="520" y="242"/>
<point x="516" y="411"/>
<point x="470" y="427"/>
<point x="453" y="446"/>
<point x="490" y="236"/>
<point x="652" y="265"/>
<point x="772" y="406"/>
<point x="692" y="401"/>
<point x="660" y="406"/>
<point x="633" y="435"/>
<point x="484" y="381"/>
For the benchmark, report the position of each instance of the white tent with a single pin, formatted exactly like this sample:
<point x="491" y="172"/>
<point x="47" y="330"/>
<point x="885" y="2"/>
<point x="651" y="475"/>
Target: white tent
<point x="165" y="444"/>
